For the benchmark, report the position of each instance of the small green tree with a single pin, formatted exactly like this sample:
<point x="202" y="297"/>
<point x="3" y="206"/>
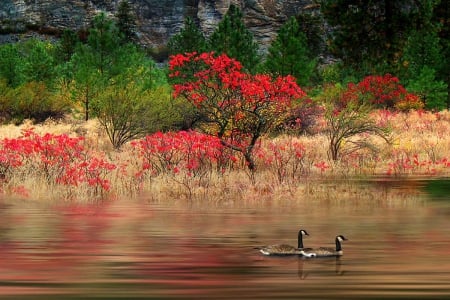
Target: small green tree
<point x="289" y="54"/>
<point x="66" y="45"/>
<point x="189" y="39"/>
<point x="232" y="38"/>
<point x="123" y="111"/>
<point x="369" y="35"/>
<point x="432" y="92"/>
<point x="422" y="49"/>
<point x="11" y="65"/>
<point x="104" y="39"/>
<point x="39" y="60"/>
<point x="85" y="80"/>
<point x="93" y="64"/>
<point x="126" y="21"/>
<point x="349" y="124"/>
<point x="134" y="102"/>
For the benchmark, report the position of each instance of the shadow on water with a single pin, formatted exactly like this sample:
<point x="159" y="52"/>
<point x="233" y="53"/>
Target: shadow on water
<point x="398" y="248"/>
<point x="438" y="189"/>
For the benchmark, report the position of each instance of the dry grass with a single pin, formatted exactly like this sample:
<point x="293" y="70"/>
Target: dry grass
<point x="421" y="136"/>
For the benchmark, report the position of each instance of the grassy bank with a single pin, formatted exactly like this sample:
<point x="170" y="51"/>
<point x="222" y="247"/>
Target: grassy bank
<point x="287" y="166"/>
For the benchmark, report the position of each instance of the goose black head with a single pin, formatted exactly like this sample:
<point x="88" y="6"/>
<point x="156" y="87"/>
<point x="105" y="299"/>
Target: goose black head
<point x="303" y="232"/>
<point x="341" y="238"/>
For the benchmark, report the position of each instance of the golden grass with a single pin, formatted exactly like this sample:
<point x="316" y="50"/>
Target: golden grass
<point x="423" y="136"/>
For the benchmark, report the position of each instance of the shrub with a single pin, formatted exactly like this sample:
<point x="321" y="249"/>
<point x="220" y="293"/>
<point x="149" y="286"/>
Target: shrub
<point x="238" y="107"/>
<point x="432" y="92"/>
<point x="349" y="125"/>
<point x="381" y="91"/>
<point x="32" y="100"/>
<point x="57" y="159"/>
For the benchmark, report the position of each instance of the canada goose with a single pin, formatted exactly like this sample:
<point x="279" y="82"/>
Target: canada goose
<point x="324" y="251"/>
<point x="284" y="249"/>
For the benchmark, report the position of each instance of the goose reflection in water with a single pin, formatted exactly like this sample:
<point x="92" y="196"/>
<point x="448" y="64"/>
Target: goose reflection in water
<point x="305" y="267"/>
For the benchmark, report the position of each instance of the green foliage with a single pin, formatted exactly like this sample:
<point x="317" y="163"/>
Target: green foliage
<point x="127" y="111"/>
<point x="330" y="73"/>
<point x="66" y="45"/>
<point x="422" y="50"/>
<point x="289" y="54"/>
<point x="85" y="79"/>
<point x="11" y="64"/>
<point x="234" y="39"/>
<point x="96" y="65"/>
<point x="32" y="100"/>
<point x="104" y="39"/>
<point x="432" y="92"/>
<point x="189" y="39"/>
<point x="126" y="21"/>
<point x="349" y="124"/>
<point x="441" y="15"/>
<point x="372" y="32"/>
<point x="313" y="25"/>
<point x="39" y="60"/>
<point x="5" y="107"/>
<point x="31" y="60"/>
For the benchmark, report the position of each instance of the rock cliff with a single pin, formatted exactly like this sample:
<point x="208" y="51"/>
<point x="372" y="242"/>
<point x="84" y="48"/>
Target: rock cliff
<point x="157" y="19"/>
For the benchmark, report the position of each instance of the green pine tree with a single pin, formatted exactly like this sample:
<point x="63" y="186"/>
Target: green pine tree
<point x="289" y="53"/>
<point x="371" y="34"/>
<point x="234" y="39"/>
<point x="67" y="45"/>
<point x="104" y="39"/>
<point x="189" y="39"/>
<point x="441" y="15"/>
<point x="12" y="65"/>
<point x="126" y="21"/>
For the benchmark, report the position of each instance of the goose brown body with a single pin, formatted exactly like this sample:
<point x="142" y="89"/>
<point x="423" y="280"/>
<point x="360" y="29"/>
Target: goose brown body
<point x="326" y="251"/>
<point x="285" y="249"/>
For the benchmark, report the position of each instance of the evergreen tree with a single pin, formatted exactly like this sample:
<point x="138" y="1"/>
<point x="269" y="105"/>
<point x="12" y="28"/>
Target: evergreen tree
<point x="189" y="39"/>
<point x="313" y="25"/>
<point x="94" y="63"/>
<point x="39" y="60"/>
<point x="67" y="44"/>
<point x="104" y="39"/>
<point x="11" y="65"/>
<point x="422" y="49"/>
<point x="441" y="15"/>
<point x="289" y="53"/>
<point x="126" y="21"/>
<point x="371" y="32"/>
<point x="234" y="39"/>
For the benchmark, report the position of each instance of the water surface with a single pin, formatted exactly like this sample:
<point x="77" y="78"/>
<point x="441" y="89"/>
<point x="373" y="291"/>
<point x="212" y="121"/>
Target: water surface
<point x="398" y="248"/>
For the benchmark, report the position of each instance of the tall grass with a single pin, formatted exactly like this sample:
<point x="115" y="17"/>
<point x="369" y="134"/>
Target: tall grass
<point x="287" y="166"/>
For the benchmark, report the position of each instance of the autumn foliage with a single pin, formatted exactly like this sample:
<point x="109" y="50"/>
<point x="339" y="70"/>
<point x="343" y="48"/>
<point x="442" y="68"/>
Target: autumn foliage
<point x="382" y="92"/>
<point x="55" y="160"/>
<point x="237" y="111"/>
<point x="189" y="152"/>
<point x="237" y="107"/>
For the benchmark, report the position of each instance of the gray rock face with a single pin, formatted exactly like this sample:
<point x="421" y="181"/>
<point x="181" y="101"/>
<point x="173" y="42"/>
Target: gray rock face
<point x="157" y="20"/>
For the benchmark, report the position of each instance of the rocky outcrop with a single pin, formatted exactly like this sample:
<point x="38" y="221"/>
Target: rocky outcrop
<point x="157" y="19"/>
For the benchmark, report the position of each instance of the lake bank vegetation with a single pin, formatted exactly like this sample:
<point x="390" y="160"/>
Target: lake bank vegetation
<point x="94" y="117"/>
<point x="73" y="160"/>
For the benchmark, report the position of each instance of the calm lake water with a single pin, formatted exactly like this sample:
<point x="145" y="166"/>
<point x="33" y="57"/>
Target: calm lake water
<point x="398" y="247"/>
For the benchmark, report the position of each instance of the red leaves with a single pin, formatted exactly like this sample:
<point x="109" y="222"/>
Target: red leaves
<point x="60" y="159"/>
<point x="382" y="91"/>
<point x="226" y="73"/>
<point x="187" y="151"/>
<point x="241" y="106"/>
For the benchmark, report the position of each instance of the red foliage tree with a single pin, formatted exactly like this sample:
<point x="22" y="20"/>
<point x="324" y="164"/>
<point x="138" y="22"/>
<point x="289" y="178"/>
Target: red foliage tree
<point x="382" y="91"/>
<point x="237" y="107"/>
